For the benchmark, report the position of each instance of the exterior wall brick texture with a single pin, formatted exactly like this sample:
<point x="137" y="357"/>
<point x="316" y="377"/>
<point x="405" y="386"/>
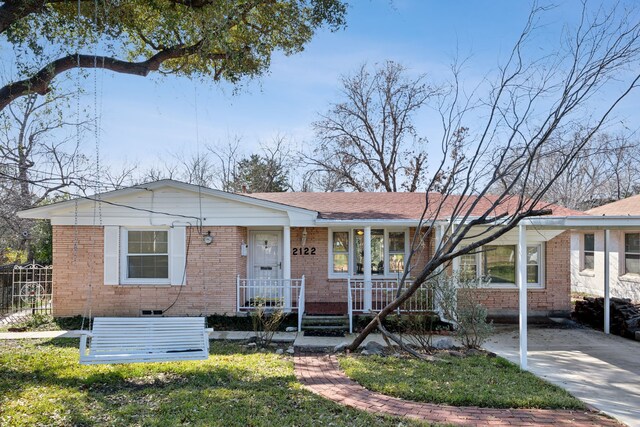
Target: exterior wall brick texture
<point x="78" y="285"/>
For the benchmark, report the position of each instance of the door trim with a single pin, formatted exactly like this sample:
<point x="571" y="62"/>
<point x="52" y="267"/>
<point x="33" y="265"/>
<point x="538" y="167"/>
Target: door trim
<point x="250" y="254"/>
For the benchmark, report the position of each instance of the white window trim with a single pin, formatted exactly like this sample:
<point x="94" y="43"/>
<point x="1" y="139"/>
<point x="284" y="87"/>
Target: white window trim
<point x="503" y="285"/>
<point x="124" y="266"/>
<point x="350" y="273"/>
<point x="630" y="277"/>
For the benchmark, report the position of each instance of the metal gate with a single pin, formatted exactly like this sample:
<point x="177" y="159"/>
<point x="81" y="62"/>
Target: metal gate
<point x="32" y="289"/>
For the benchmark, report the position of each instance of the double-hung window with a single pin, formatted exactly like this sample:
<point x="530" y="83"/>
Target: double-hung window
<point x="146" y="256"/>
<point x="341" y="252"/>
<point x="588" y="251"/>
<point x="632" y="253"/>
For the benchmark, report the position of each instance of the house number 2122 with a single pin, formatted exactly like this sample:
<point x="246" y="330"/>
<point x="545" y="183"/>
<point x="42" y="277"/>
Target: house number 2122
<point x="304" y="251"/>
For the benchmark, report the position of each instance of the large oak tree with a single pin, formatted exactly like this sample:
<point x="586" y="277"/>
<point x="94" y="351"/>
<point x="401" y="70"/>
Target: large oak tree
<point x="218" y="39"/>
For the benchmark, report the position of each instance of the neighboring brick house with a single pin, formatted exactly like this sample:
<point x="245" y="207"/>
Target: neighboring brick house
<point x="588" y="252"/>
<point x="178" y="249"/>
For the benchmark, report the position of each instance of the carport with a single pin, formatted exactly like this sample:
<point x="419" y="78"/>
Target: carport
<point x="598" y="368"/>
<point x="569" y="223"/>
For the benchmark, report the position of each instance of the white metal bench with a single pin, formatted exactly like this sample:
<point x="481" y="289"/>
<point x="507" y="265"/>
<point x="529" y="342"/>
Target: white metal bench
<point x="151" y="339"/>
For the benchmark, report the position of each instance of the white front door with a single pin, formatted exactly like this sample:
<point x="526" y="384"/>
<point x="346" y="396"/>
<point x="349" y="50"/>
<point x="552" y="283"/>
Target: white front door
<point x="266" y="263"/>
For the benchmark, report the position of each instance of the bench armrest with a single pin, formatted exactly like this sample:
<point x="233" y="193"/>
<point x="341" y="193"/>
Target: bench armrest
<point x="87" y="333"/>
<point x="208" y="330"/>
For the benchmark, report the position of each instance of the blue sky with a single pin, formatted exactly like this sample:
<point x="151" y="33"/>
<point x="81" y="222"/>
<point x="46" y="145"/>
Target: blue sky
<point x="145" y="118"/>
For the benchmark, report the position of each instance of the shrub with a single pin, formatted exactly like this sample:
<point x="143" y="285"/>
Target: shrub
<point x="266" y="321"/>
<point x="460" y="303"/>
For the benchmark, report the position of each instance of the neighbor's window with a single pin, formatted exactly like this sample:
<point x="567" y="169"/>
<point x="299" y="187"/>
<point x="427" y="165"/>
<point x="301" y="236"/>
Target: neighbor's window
<point x="588" y="254"/>
<point x="147" y="254"/>
<point x="396" y="251"/>
<point x="632" y="253"/>
<point x="468" y="267"/>
<point x="500" y="264"/>
<point x="341" y="252"/>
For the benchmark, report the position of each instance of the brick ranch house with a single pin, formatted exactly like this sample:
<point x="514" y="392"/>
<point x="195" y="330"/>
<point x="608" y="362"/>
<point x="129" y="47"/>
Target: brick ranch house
<point x="177" y="249"/>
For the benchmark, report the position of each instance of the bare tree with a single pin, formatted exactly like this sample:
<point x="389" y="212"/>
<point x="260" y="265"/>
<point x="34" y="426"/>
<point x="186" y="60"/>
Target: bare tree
<point x="38" y="161"/>
<point x="368" y="140"/>
<point x="530" y="103"/>
<point x="606" y="170"/>
<point x="269" y="170"/>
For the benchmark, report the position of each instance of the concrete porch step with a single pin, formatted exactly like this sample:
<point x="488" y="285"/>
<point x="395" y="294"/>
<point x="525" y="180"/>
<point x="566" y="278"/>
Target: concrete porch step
<point x="324" y="322"/>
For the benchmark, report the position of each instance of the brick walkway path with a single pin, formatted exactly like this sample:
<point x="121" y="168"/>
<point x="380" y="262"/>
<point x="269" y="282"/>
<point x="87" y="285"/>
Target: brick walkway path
<point x="322" y="375"/>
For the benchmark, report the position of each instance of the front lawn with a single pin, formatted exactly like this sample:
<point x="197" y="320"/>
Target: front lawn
<point x="470" y="381"/>
<point x="41" y="383"/>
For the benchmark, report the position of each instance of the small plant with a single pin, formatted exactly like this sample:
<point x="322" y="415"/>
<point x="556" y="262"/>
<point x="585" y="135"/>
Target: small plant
<point x="418" y="329"/>
<point x="266" y="321"/>
<point x="460" y="303"/>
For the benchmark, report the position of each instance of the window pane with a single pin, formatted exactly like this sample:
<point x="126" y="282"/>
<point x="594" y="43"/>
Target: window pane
<point x="632" y="264"/>
<point x="396" y="263"/>
<point x="532" y="274"/>
<point x="589" y="242"/>
<point x="500" y="263"/>
<point x="148" y="267"/>
<point x="358" y="238"/>
<point x="340" y="263"/>
<point x="377" y="251"/>
<point x="341" y="241"/>
<point x="396" y="241"/>
<point x="532" y="255"/>
<point x="588" y="260"/>
<point x="632" y="242"/>
<point x="468" y="267"/>
<point x="147" y="242"/>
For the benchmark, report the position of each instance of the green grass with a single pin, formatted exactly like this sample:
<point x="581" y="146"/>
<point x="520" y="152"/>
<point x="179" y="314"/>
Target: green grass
<point x="471" y="381"/>
<point x="41" y="383"/>
<point x="46" y="322"/>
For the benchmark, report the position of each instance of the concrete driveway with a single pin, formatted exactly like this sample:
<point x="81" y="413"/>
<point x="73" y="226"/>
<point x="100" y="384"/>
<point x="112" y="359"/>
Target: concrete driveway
<point x="601" y="370"/>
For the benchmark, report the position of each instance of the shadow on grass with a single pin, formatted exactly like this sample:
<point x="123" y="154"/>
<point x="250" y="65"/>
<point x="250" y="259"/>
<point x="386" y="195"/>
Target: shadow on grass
<point x="43" y="383"/>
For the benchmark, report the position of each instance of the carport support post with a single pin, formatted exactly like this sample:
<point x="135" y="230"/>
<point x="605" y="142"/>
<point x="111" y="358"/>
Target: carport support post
<point x="522" y="284"/>
<point x="367" y="269"/>
<point x="607" y="307"/>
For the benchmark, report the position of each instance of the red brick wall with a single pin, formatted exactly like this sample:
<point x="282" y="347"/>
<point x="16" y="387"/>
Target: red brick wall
<point x="211" y="276"/>
<point x="553" y="299"/>
<point x="212" y="271"/>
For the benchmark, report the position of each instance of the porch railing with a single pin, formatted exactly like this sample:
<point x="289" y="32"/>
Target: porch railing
<point x="284" y="294"/>
<point x="372" y="299"/>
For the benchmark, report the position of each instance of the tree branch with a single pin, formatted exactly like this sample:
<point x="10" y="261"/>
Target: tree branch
<point x="39" y="83"/>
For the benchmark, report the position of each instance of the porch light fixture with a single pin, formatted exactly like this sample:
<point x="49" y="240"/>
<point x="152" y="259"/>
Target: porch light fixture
<point x="304" y="237"/>
<point x="207" y="238"/>
<point x="360" y="232"/>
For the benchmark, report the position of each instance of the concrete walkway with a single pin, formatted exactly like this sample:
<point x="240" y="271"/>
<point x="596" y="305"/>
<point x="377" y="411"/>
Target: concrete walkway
<point x="321" y="375"/>
<point x="601" y="370"/>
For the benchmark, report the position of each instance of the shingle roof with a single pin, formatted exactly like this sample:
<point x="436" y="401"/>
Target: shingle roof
<point x="399" y="206"/>
<point x="628" y="206"/>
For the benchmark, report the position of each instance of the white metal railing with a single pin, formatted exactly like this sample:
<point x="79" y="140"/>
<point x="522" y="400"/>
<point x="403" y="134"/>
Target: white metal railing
<point x="363" y="297"/>
<point x="284" y="294"/>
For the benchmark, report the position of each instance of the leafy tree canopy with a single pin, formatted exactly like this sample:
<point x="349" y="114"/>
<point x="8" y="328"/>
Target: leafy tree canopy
<point x="228" y="40"/>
